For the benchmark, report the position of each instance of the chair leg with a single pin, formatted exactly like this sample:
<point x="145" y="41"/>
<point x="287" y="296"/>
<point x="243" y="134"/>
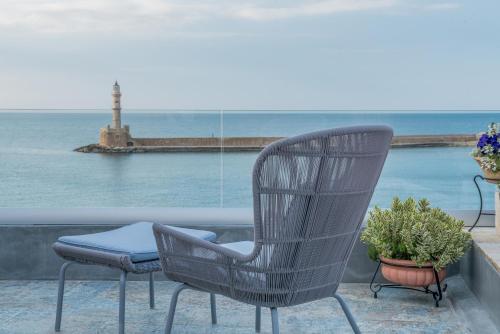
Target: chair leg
<point x="173" y="305"/>
<point x="60" y="295"/>
<point x="151" y="291"/>
<point x="121" y="311"/>
<point x="213" y="309"/>
<point x="257" y="319"/>
<point x="275" y="321"/>
<point x="348" y="314"/>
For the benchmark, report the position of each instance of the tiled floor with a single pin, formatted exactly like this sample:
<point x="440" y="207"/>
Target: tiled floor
<point x="92" y="307"/>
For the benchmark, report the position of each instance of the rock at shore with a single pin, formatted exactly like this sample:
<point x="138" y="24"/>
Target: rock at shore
<point x="96" y="148"/>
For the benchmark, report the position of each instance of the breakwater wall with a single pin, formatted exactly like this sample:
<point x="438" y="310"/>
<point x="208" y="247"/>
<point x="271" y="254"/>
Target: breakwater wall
<point x="253" y="142"/>
<point x="241" y="144"/>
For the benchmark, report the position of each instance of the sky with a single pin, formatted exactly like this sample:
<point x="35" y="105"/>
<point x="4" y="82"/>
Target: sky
<point x="253" y="54"/>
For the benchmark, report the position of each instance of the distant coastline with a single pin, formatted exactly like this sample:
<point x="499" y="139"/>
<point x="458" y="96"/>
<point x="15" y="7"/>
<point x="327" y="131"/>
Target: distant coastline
<point x="219" y="111"/>
<point x="117" y="137"/>
<point x="245" y="144"/>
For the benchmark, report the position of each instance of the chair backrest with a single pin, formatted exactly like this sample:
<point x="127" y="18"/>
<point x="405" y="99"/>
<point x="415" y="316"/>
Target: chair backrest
<point x="311" y="193"/>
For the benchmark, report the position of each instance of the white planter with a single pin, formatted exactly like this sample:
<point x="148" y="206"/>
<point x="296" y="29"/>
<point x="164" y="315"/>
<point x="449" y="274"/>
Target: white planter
<point x="497" y="211"/>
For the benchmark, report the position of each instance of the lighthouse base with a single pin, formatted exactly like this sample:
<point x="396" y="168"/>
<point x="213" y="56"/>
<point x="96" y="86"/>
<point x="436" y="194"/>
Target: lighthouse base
<point x="110" y="137"/>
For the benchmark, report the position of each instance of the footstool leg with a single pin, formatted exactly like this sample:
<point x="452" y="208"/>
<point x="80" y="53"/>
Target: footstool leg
<point x="213" y="309"/>
<point x="121" y="313"/>
<point x="60" y="294"/>
<point x="257" y="318"/>
<point x="151" y="291"/>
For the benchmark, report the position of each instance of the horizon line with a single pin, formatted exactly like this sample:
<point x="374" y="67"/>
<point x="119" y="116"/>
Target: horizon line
<point x="258" y="110"/>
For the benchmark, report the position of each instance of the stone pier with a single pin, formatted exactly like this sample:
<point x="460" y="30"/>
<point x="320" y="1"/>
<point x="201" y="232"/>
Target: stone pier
<point x="242" y="144"/>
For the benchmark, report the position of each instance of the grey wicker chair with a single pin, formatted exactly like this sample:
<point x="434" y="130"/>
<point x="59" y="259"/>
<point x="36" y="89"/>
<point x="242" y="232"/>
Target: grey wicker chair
<point x="311" y="193"/>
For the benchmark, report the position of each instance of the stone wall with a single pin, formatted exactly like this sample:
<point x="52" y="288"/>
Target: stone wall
<point x="206" y="141"/>
<point x="260" y="142"/>
<point x="110" y="137"/>
<point x="433" y="140"/>
<point x="119" y="141"/>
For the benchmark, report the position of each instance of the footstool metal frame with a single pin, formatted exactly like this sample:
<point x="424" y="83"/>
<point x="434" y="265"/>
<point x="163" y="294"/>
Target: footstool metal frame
<point x="80" y="255"/>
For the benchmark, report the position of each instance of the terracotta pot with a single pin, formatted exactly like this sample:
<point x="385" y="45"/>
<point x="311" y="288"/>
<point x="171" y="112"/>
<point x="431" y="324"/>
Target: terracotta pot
<point x="492" y="177"/>
<point x="395" y="271"/>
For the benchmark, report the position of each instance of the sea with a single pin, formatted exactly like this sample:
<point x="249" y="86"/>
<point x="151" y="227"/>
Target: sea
<point x="39" y="169"/>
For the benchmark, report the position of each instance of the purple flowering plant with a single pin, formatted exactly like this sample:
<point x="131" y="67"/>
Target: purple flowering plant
<point x="487" y="149"/>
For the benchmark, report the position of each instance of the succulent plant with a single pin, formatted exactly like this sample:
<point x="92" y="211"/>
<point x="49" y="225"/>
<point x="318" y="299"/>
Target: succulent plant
<point x="412" y="230"/>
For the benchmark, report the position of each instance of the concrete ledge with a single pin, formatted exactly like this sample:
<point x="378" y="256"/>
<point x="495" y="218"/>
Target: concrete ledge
<point x="121" y="216"/>
<point x="174" y="216"/>
<point x="26" y="252"/>
<point x="26" y="237"/>
<point x="488" y="243"/>
<point x="479" y="269"/>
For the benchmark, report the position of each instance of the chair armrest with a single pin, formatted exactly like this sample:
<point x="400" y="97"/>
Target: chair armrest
<point x="167" y="238"/>
<point x="195" y="261"/>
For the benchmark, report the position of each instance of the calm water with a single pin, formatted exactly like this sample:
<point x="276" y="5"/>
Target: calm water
<point x="39" y="169"/>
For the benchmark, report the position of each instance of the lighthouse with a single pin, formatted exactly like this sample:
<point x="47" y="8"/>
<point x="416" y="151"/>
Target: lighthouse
<point x="116" y="107"/>
<point x="115" y="135"/>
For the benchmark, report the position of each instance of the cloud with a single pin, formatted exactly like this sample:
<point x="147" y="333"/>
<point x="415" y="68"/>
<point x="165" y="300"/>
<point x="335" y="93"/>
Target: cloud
<point x="325" y="7"/>
<point x="56" y="16"/>
<point x="139" y="16"/>
<point x="59" y="16"/>
<point x="443" y="6"/>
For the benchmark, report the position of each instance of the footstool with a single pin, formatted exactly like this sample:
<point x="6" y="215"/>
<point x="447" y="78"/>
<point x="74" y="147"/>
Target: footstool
<point x="131" y="249"/>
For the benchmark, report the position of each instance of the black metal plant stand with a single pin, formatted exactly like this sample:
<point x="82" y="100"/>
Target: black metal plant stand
<point x="436" y="295"/>
<point x="481" y="213"/>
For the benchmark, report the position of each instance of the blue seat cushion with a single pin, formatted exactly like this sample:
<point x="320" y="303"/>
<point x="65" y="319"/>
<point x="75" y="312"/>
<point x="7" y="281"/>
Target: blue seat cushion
<point x="135" y="240"/>
<point x="242" y="247"/>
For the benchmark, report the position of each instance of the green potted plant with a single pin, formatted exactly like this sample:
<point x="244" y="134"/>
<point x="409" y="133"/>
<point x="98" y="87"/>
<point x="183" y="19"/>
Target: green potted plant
<point x="412" y="240"/>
